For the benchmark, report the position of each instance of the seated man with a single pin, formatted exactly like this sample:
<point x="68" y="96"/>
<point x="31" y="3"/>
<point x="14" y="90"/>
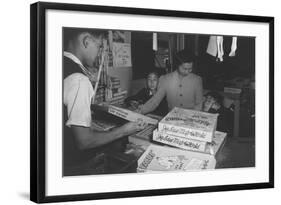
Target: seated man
<point x="146" y="93"/>
<point x="81" y="49"/>
<point x="214" y="104"/>
<point x="182" y="88"/>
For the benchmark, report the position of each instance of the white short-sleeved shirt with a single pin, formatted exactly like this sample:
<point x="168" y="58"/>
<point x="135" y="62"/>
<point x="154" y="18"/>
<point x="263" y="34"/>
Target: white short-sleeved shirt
<point x="77" y="97"/>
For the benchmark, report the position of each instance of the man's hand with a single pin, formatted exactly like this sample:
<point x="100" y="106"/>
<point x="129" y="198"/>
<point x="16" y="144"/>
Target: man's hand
<point x="132" y="127"/>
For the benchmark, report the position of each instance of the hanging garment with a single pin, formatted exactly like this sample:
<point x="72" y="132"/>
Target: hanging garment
<point x="233" y="46"/>
<point x="212" y="46"/>
<point x="220" y="48"/>
<point x="216" y="47"/>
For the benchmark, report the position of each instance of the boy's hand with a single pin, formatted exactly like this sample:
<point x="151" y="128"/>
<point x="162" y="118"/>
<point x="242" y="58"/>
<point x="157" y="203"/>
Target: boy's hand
<point x="138" y="109"/>
<point x="134" y="104"/>
<point x="216" y="106"/>
<point x="132" y="127"/>
<point x="142" y="124"/>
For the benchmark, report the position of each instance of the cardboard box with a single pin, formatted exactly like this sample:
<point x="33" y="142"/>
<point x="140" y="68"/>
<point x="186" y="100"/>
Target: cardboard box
<point x="122" y="93"/>
<point x="189" y="124"/>
<point x="217" y="144"/>
<point x="130" y="115"/>
<point x="160" y="158"/>
<point x="211" y="148"/>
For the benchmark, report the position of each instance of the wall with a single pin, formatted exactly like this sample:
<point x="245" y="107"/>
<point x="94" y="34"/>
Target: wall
<point x="14" y="104"/>
<point x="124" y="74"/>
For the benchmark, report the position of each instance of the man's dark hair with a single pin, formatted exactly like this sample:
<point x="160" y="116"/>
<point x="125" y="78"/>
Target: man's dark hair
<point x="184" y="56"/>
<point x="70" y="34"/>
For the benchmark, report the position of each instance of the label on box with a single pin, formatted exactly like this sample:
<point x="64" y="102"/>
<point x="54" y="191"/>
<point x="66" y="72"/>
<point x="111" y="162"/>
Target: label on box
<point x="186" y="132"/>
<point x="183" y="143"/>
<point x="130" y="115"/>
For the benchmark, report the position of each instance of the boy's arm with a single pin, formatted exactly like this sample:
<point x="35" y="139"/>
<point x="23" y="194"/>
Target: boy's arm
<point x="78" y="102"/>
<point x="87" y="138"/>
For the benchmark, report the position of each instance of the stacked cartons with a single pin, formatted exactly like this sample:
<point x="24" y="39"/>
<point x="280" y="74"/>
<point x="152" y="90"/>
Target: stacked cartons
<point x="193" y="139"/>
<point x="211" y="148"/>
<point x="150" y="134"/>
<point x="186" y="129"/>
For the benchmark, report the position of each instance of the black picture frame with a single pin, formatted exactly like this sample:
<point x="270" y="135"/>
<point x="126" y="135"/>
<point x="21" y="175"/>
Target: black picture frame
<point x="38" y="100"/>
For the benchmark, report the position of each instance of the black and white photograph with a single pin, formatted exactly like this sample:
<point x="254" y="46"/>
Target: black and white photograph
<point x="156" y="101"/>
<point x="140" y="102"/>
<point x="129" y="102"/>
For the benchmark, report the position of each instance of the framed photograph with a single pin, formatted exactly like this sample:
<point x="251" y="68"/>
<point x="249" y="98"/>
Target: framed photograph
<point x="129" y="102"/>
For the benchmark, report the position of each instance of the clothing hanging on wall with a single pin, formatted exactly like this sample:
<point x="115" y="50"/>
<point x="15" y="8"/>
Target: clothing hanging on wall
<point x="217" y="49"/>
<point x="212" y="46"/>
<point x="233" y="47"/>
<point x="220" y="48"/>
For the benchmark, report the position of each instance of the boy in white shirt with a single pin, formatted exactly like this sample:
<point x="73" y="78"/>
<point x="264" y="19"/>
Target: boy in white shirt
<point x="81" y="47"/>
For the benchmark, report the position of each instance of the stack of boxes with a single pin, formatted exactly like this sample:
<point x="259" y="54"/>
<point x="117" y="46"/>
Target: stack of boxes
<point x="189" y="131"/>
<point x="186" y="129"/>
<point x="112" y="94"/>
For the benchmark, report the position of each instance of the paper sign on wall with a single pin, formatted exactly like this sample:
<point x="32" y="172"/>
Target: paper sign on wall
<point x="122" y="55"/>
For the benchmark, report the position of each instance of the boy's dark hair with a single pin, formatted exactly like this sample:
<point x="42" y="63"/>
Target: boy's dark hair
<point x="153" y="72"/>
<point x="156" y="70"/>
<point x="217" y="97"/>
<point x="70" y="34"/>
